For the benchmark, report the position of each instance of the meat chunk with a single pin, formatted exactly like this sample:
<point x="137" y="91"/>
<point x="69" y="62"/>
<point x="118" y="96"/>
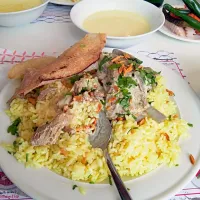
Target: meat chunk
<point x="45" y="92"/>
<point x="175" y="29"/>
<point x="125" y="88"/>
<point x="64" y="101"/>
<point x="138" y="103"/>
<point x="49" y="133"/>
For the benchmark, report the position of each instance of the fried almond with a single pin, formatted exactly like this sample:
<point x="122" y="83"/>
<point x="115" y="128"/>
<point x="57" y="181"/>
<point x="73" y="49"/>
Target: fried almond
<point x="192" y="160"/>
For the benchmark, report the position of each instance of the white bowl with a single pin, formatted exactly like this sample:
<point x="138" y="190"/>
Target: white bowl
<point x="153" y="14"/>
<point x="22" y="17"/>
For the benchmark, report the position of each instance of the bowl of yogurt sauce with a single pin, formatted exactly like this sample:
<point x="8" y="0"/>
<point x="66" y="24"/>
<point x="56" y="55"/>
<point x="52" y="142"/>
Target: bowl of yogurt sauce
<point x="20" y="12"/>
<point x="126" y="22"/>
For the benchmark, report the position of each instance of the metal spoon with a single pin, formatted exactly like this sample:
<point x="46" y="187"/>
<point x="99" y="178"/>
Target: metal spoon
<point x="100" y="139"/>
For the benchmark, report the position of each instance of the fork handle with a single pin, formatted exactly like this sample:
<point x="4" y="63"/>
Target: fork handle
<point x="124" y="194"/>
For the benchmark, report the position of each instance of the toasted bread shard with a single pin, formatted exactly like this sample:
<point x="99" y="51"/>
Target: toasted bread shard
<point x="18" y="70"/>
<point x="77" y="58"/>
<point x="74" y="60"/>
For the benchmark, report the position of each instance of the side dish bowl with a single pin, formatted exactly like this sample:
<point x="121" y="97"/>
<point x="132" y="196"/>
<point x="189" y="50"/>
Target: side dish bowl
<point x="18" y="18"/>
<point x="151" y="13"/>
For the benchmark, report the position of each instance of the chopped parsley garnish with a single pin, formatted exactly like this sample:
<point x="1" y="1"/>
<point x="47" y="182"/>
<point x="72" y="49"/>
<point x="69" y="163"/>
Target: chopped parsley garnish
<point x="84" y="89"/>
<point x="9" y="152"/>
<point x="114" y="66"/>
<point x="68" y="93"/>
<point x="103" y="102"/>
<point x="136" y="62"/>
<point x="15" y="144"/>
<point x="129" y="130"/>
<point x="124" y="102"/>
<point x="26" y="157"/>
<point x="135" y="128"/>
<point x="108" y="83"/>
<point x="177" y="165"/>
<point x="35" y="128"/>
<point x="75" y="78"/>
<point x="103" y="61"/>
<point x="190" y="125"/>
<point x="126" y="82"/>
<point x="37" y="91"/>
<point x="120" y="115"/>
<point x="148" y="76"/>
<point x="134" y="117"/>
<point x="110" y="179"/>
<point x="170" y="117"/>
<point x="74" y="187"/>
<point x="13" y="128"/>
<point x="128" y="189"/>
<point x="150" y="102"/>
<point x="91" y="182"/>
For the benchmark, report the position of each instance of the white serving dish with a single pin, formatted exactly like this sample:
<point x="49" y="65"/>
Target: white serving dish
<point x="22" y="17"/>
<point x="153" y="14"/>
<point x="160" y="184"/>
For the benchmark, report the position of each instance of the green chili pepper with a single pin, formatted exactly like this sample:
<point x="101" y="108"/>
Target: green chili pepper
<point x="193" y="5"/>
<point x="184" y="11"/>
<point x="192" y="22"/>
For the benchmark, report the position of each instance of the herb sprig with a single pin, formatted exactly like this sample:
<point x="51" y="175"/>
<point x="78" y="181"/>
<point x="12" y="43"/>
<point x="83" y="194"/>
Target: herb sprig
<point x="103" y="61"/>
<point x="148" y="76"/>
<point x="75" y="78"/>
<point x="114" y="66"/>
<point x="13" y="128"/>
<point x="124" y="83"/>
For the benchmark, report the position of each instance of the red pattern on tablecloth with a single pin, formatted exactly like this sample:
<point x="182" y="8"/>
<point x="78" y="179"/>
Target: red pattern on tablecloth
<point x="13" y="57"/>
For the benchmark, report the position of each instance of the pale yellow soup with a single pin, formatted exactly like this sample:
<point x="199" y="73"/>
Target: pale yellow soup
<point x="17" y="5"/>
<point x="116" y="23"/>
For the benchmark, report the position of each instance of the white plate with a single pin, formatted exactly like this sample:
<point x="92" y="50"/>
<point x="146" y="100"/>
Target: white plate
<point x="160" y="184"/>
<point x="166" y="31"/>
<point x="63" y="2"/>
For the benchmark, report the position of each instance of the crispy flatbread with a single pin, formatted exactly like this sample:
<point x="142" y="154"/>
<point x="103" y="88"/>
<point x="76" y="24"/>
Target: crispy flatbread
<point x="18" y="70"/>
<point x="77" y="58"/>
<point x="74" y="60"/>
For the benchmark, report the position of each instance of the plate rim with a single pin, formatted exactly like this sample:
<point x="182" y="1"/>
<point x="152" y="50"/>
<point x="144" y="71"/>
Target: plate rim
<point x="191" y="174"/>
<point x="62" y="3"/>
<point x="172" y="35"/>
